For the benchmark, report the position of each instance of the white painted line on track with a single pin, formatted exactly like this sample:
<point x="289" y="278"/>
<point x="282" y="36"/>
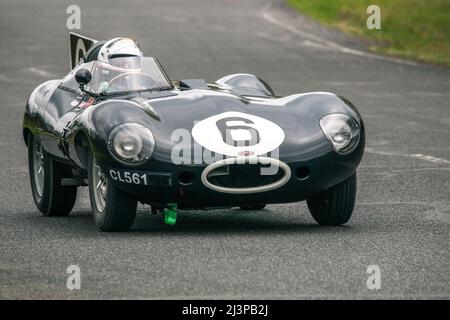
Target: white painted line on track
<point x="419" y="156"/>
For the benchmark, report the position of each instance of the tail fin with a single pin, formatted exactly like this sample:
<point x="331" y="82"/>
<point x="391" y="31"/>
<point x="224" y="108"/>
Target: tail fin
<point x="78" y="46"/>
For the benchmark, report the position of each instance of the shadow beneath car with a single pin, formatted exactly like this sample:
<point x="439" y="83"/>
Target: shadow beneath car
<point x="223" y="221"/>
<point x="233" y="221"/>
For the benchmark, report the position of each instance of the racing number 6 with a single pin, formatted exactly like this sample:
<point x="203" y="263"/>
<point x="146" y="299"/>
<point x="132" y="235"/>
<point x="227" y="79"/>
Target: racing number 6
<point x="238" y="130"/>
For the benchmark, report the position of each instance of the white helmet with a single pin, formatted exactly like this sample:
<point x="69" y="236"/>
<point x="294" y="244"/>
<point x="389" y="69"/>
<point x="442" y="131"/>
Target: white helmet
<point x="119" y="47"/>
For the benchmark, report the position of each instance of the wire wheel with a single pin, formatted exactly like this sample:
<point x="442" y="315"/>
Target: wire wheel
<point x="38" y="167"/>
<point x="100" y="186"/>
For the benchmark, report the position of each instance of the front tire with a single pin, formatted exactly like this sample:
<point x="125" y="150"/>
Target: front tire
<point x="113" y="209"/>
<point x="334" y="207"/>
<point x="46" y="175"/>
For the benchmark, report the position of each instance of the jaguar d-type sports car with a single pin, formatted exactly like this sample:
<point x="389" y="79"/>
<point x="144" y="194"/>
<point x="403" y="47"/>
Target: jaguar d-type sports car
<point x="118" y="125"/>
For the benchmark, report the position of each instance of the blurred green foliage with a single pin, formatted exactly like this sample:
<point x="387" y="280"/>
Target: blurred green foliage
<point x="414" y="29"/>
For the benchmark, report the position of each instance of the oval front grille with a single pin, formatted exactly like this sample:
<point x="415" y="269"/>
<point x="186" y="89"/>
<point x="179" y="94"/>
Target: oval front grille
<point x="255" y="175"/>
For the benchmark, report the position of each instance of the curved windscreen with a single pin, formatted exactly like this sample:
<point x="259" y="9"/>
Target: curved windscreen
<point x="122" y="74"/>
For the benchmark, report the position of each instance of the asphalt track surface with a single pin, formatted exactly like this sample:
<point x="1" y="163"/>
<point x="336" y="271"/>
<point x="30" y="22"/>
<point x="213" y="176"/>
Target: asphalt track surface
<point x="401" y="220"/>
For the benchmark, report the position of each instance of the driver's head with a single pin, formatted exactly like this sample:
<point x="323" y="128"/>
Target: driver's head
<point x="122" y="53"/>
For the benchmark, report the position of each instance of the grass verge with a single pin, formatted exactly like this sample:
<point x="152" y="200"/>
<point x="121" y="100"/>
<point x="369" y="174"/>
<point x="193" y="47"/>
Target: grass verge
<point x="413" y="29"/>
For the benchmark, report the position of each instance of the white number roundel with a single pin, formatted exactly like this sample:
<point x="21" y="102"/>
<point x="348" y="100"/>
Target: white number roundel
<point x="238" y="134"/>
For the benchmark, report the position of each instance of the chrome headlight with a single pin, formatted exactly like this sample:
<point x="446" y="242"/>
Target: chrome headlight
<point x="131" y="142"/>
<point x="342" y="131"/>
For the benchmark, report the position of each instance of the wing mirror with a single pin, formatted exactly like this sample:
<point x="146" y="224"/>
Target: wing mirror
<point x="83" y="77"/>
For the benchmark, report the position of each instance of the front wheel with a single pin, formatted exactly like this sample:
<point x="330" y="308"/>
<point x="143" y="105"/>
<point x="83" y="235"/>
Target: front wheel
<point x="113" y="209"/>
<point x="50" y="196"/>
<point x="334" y="206"/>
